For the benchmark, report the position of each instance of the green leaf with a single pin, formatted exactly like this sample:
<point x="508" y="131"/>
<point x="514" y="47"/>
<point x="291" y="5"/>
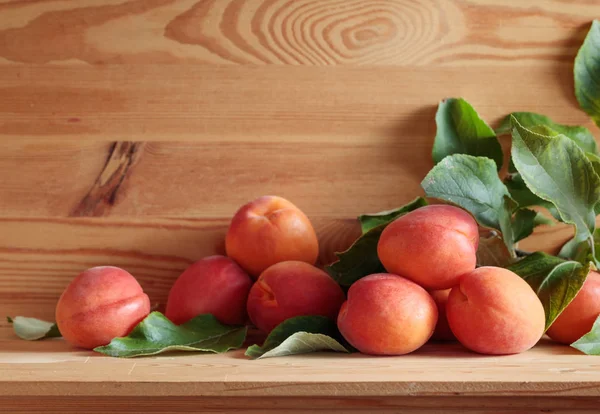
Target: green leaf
<point x="32" y="329"/>
<point x="555" y="169"/>
<point x="493" y="252"/>
<point x="580" y="251"/>
<point x="524" y="197"/>
<point x="596" y="248"/>
<point x="156" y="334"/>
<point x="555" y="281"/>
<point x="359" y="260"/>
<point x="587" y="73"/>
<point x="589" y="343"/>
<point x="370" y="221"/>
<point x="300" y="335"/>
<point x="460" y="130"/>
<point x="473" y="184"/>
<point x="542" y="220"/>
<point x="511" y="166"/>
<point x="523" y="223"/>
<point x="580" y="135"/>
<point x="595" y="160"/>
<point x="584" y="251"/>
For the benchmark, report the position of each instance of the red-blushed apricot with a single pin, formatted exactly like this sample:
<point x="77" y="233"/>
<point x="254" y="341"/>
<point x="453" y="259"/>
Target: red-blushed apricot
<point x="289" y="289"/>
<point x="100" y="304"/>
<point x="270" y="230"/>
<point x="493" y="311"/>
<point x="215" y="285"/>
<point x="432" y="246"/>
<point x="387" y="315"/>
<point x="579" y="316"/>
<point x="442" y="329"/>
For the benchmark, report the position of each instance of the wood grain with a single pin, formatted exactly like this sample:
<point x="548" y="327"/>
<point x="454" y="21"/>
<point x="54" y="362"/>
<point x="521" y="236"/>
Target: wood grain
<point x="121" y="158"/>
<point x="304" y="32"/>
<point x="226" y="135"/>
<point x="38" y="257"/>
<point x="51" y="367"/>
<point x="131" y="130"/>
<point x="206" y="180"/>
<point x="312" y="106"/>
<point x="331" y="405"/>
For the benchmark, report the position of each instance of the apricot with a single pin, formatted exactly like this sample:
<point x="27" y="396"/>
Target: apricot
<point x="432" y="246"/>
<point x="387" y="315"/>
<point x="493" y="311"/>
<point x="270" y="230"/>
<point x="215" y="285"/>
<point x="100" y="304"/>
<point x="579" y="316"/>
<point x="442" y="329"/>
<point x="289" y="289"/>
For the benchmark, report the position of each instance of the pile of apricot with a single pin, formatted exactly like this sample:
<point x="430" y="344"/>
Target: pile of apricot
<point x="433" y="289"/>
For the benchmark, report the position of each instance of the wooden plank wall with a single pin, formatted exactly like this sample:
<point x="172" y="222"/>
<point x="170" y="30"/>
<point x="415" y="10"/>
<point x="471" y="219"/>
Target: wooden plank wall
<point x="131" y="130"/>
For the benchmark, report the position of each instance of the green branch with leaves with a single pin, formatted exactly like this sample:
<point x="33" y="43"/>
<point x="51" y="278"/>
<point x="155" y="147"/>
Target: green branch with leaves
<point x="552" y="168"/>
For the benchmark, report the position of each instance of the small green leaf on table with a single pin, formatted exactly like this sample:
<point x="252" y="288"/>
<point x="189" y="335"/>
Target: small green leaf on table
<point x="156" y="334"/>
<point x="32" y="329"/>
<point x="589" y="343"/>
<point x="370" y="221"/>
<point x="300" y="335"/>
<point x="587" y="73"/>
<point x="555" y="281"/>
<point x="555" y="169"/>
<point x="460" y="130"/>
<point x="473" y="184"/>
<point x="580" y="135"/>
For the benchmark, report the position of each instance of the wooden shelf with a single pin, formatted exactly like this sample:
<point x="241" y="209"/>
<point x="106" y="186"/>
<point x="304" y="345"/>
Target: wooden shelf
<point x="50" y="371"/>
<point x="133" y="130"/>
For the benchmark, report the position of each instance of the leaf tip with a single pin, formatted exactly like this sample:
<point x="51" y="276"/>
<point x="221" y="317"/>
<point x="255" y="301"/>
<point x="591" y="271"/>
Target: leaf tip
<point x="514" y="121"/>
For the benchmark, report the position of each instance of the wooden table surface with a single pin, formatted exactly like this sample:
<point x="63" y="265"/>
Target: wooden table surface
<point x="442" y="377"/>
<point x="132" y="130"/>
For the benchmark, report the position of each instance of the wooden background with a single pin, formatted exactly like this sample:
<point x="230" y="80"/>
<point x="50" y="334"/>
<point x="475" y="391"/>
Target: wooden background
<point x="131" y="131"/>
